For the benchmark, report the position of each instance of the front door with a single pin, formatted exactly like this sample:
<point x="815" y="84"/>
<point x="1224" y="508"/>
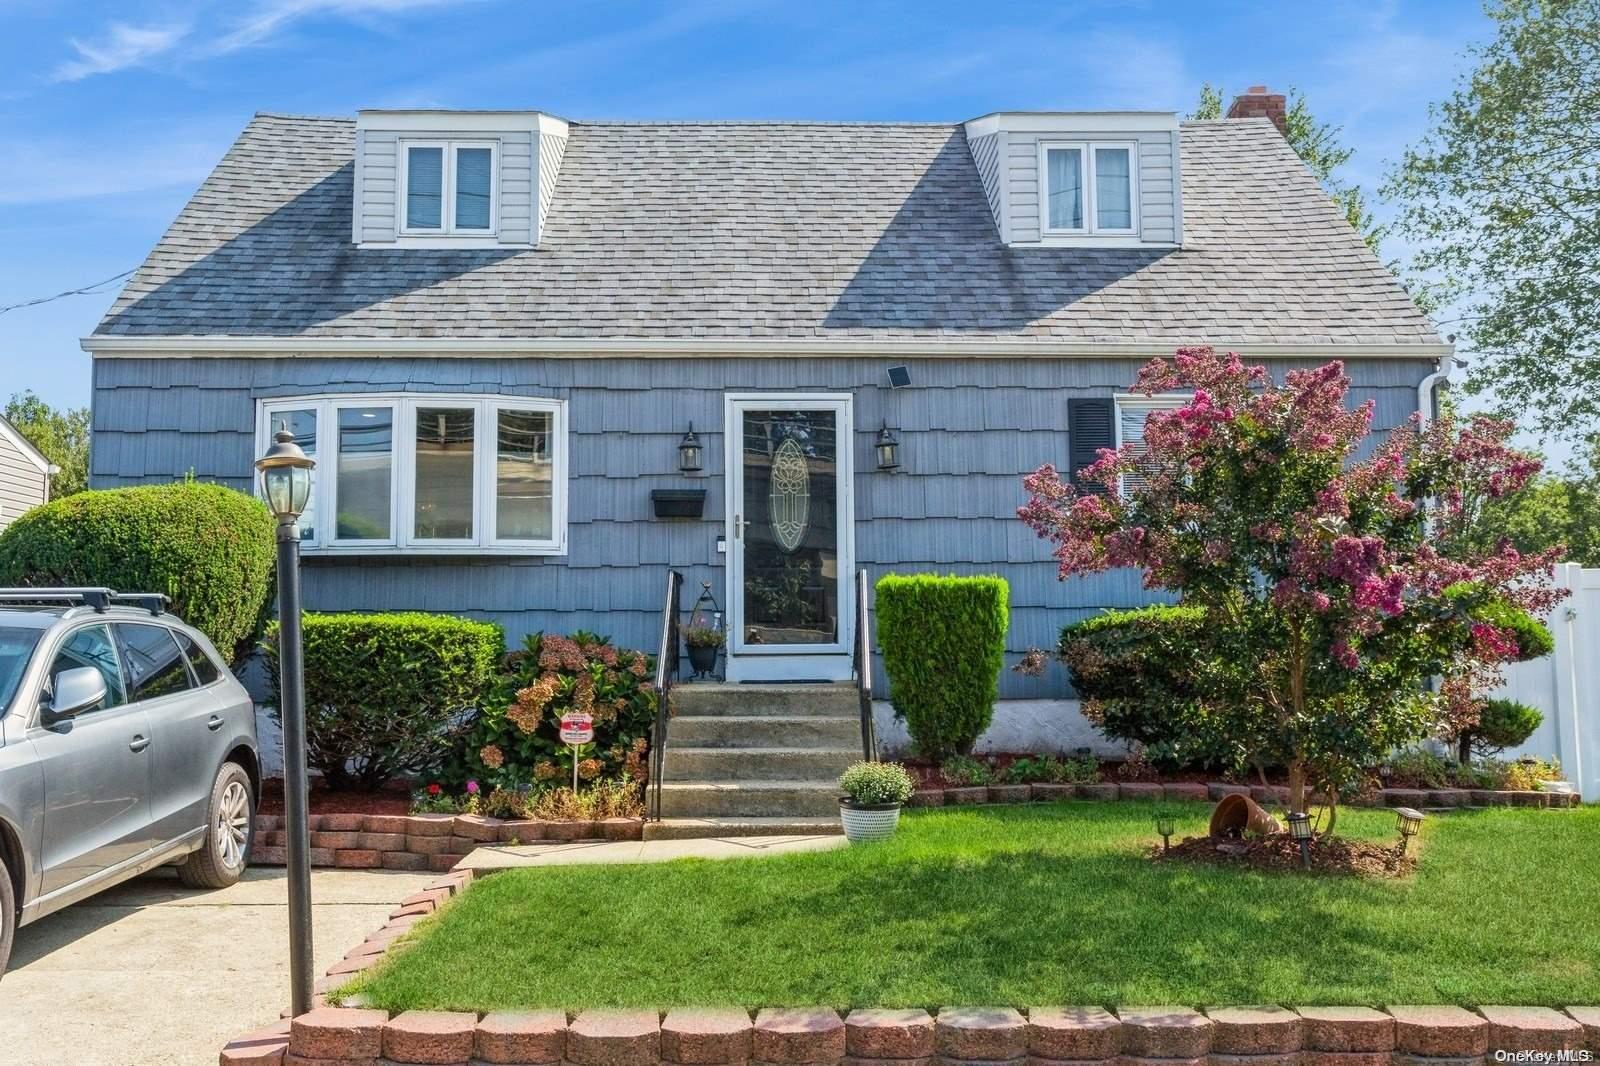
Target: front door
<point x="790" y="536"/>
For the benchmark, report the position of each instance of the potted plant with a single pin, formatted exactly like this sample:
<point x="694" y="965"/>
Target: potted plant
<point x="874" y="791"/>
<point x="703" y="642"/>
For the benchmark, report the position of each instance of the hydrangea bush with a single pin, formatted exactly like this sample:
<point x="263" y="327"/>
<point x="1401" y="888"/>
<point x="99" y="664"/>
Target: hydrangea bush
<point x="1333" y="588"/>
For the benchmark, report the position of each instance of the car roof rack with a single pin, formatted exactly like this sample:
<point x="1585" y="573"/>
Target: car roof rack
<point x="99" y="598"/>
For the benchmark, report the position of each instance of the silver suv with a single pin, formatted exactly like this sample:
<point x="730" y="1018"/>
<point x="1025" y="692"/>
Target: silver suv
<point x="124" y="744"/>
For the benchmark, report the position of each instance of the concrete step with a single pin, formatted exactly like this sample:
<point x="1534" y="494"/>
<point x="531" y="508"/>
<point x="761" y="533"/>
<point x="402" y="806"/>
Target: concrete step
<point x="705" y="700"/>
<point x="760" y="731"/>
<point x="749" y="799"/>
<point x="700" y="828"/>
<point x="756" y="764"/>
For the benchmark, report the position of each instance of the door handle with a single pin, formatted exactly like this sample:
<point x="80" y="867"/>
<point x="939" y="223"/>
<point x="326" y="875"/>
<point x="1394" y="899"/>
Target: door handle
<point x="138" y="743"/>
<point x="213" y="723"/>
<point x="738" y="527"/>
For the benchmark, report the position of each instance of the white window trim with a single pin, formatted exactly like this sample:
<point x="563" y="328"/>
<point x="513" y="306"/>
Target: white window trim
<point x="1086" y="150"/>
<point x="1166" y="401"/>
<point x="447" y="206"/>
<point x="402" y="484"/>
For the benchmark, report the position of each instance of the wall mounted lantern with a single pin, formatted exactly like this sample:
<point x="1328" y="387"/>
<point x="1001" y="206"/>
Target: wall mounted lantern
<point x="689" y="452"/>
<point x="888" y="449"/>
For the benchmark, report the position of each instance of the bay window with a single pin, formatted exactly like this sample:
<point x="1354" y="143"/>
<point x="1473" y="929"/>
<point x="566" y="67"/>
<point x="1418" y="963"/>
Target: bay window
<point x="431" y="474"/>
<point x="1088" y="187"/>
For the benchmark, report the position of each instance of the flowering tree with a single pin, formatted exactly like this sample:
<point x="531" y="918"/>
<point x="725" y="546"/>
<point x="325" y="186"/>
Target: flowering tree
<point x="1332" y="592"/>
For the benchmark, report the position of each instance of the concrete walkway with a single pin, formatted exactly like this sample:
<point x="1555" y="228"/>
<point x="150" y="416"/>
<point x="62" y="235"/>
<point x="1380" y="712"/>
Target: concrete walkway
<point x="505" y="857"/>
<point x="156" y="974"/>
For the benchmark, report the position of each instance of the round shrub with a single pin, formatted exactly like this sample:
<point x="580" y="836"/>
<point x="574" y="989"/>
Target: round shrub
<point x="1504" y="724"/>
<point x="209" y="548"/>
<point x="388" y="694"/>
<point x="943" y="642"/>
<point x="871" y="783"/>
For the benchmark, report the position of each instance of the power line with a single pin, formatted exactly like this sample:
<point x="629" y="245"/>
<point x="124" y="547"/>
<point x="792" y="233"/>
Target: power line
<point x="87" y="290"/>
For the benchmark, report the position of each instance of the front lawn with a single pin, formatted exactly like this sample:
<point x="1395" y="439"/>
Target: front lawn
<point x="1045" y="904"/>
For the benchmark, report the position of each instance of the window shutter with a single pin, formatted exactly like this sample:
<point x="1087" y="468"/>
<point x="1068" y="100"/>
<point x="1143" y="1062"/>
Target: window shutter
<point x="1089" y="428"/>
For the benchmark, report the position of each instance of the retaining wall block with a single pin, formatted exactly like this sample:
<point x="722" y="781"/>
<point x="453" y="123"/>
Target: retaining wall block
<point x="965" y="794"/>
<point x="1347" y="1030"/>
<point x="567" y="831"/>
<point x="1346" y="1058"/>
<point x="528" y="1038"/>
<point x="477" y="828"/>
<point x="343" y="823"/>
<point x="1051" y="791"/>
<point x="1514" y="1029"/>
<point x="984" y="1034"/>
<point x="1165" y="1032"/>
<point x="404" y="860"/>
<point x="264" y="1047"/>
<point x="1439" y="1032"/>
<point x="889" y="1034"/>
<point x="926" y="797"/>
<point x="1077" y="1033"/>
<point x="614" y="1038"/>
<point x="1404" y="797"/>
<point x="1140" y="790"/>
<point x="385" y="823"/>
<point x="706" y="1037"/>
<point x="1219" y="790"/>
<point x="1255" y="1031"/>
<point x="1098" y="790"/>
<point x="436" y="1037"/>
<point x="524" y="831"/>
<point x="1186" y="792"/>
<point x="358" y="859"/>
<point x="1010" y="793"/>
<point x="381" y="841"/>
<point x="797" y="1035"/>
<point x="1589" y="1018"/>
<point x="338" y="1033"/>
<point x="429" y="825"/>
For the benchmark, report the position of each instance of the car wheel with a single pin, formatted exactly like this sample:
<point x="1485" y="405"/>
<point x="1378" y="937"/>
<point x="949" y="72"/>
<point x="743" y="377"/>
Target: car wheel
<point x="8" y="916"/>
<point x="230" y="827"/>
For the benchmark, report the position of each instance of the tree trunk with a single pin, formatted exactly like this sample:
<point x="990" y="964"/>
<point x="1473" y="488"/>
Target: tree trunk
<point x="1464" y="749"/>
<point x="1297" y="788"/>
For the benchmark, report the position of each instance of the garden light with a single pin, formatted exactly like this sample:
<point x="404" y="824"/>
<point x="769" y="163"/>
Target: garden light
<point x="1410" y="825"/>
<point x="1300" y="830"/>
<point x="1165" y="827"/>
<point x="286" y="482"/>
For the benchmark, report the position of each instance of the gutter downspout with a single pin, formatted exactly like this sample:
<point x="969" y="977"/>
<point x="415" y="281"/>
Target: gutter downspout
<point x="1427" y="401"/>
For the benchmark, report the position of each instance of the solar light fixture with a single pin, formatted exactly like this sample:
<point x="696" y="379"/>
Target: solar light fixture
<point x="888" y="449"/>
<point x="1410" y="825"/>
<point x="1300" y="830"/>
<point x="1165" y="828"/>
<point x="899" y="377"/>
<point x="689" y="452"/>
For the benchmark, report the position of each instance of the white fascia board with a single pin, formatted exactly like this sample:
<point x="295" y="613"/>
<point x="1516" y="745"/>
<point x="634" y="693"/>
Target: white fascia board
<point x="442" y="121"/>
<point x="1072" y="122"/>
<point x="29" y="452"/>
<point x="731" y="347"/>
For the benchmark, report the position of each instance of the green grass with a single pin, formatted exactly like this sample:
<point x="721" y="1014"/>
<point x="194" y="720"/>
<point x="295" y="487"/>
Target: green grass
<point x="1052" y="904"/>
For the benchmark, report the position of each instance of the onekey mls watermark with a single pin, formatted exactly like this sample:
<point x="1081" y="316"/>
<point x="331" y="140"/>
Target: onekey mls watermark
<point x="1544" y="1058"/>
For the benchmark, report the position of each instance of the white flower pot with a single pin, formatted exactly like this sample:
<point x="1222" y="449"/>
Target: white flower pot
<point x="874" y="822"/>
<point x="1562" y="787"/>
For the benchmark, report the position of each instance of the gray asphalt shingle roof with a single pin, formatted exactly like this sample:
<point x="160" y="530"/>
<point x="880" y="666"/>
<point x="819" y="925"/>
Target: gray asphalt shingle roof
<point x="770" y="230"/>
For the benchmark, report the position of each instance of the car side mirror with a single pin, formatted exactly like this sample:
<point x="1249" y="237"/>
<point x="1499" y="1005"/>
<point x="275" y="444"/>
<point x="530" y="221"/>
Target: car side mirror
<point x="77" y="690"/>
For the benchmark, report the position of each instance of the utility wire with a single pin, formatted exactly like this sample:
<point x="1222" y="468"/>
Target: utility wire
<point x="87" y="290"/>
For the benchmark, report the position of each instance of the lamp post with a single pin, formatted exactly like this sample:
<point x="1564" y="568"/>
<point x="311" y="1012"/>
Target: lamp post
<point x="286" y="481"/>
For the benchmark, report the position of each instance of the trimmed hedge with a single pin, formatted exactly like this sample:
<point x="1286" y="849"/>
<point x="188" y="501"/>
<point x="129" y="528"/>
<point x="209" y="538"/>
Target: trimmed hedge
<point x="389" y="693"/>
<point x="209" y="548"/>
<point x="1504" y="724"/>
<point x="943" y="642"/>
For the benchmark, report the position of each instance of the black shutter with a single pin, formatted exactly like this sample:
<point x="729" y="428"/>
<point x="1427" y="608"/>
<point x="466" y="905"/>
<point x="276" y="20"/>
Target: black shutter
<point x="1091" y="425"/>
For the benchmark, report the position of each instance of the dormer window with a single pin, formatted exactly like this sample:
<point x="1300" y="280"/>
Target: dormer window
<point x="449" y="188"/>
<point x="1088" y="188"/>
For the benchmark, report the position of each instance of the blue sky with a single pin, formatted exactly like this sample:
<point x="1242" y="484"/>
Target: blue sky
<point x="111" y="114"/>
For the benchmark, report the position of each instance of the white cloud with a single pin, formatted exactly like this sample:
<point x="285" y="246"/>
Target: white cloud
<point x="37" y="171"/>
<point x="272" y="16"/>
<point x="121" y="46"/>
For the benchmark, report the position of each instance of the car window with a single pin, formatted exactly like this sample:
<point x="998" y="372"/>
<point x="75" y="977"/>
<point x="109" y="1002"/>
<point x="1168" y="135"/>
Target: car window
<point x="16" y="648"/>
<point x="153" y="663"/>
<point x="205" y="670"/>
<point x="92" y="646"/>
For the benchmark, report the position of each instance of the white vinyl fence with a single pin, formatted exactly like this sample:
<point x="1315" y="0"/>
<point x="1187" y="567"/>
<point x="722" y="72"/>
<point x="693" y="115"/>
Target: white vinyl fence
<point x="1566" y="684"/>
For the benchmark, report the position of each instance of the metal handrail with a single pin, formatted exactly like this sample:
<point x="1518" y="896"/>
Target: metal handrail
<point x="666" y="673"/>
<point x="861" y="666"/>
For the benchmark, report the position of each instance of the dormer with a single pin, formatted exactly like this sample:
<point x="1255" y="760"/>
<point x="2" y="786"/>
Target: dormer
<point x="1081" y="179"/>
<point x="454" y="179"/>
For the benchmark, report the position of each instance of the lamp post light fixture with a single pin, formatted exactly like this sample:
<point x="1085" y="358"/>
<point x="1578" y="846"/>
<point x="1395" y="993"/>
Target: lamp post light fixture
<point x="1410" y="825"/>
<point x="689" y="452"/>
<point x="1300" y="830"/>
<point x="888" y="449"/>
<point x="286" y="483"/>
<point x="1165" y="828"/>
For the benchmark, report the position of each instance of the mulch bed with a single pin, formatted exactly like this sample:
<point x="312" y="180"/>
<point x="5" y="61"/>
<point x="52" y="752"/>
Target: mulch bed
<point x="1332" y="855"/>
<point x="329" y="801"/>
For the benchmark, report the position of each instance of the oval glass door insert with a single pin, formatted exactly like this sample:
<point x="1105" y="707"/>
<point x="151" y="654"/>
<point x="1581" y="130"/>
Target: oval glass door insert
<point x="789" y="498"/>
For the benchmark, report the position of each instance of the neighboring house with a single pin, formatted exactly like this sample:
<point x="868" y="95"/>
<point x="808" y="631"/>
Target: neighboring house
<point x="494" y="330"/>
<point x="24" y="474"/>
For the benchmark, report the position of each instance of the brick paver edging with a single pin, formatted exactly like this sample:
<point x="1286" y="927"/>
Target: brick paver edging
<point x="1430" y="799"/>
<point x="967" y="1036"/>
<point x="421" y="842"/>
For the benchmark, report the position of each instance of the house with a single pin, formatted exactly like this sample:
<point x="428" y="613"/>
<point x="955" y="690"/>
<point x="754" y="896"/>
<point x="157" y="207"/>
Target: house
<point x="507" y="339"/>
<point x="24" y="474"/>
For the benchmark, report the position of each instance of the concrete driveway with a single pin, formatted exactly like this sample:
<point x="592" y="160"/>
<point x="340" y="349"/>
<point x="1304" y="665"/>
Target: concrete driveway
<point x="154" y="974"/>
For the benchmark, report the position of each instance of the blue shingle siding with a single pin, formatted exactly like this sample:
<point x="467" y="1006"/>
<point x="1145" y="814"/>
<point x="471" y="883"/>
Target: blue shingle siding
<point x="969" y="429"/>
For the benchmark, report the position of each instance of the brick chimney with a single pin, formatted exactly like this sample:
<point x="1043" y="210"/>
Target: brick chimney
<point x="1256" y="102"/>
